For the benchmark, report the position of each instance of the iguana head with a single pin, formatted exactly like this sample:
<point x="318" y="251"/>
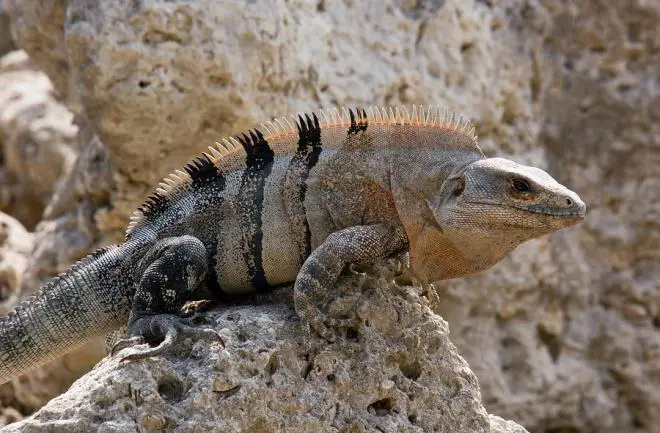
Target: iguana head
<point x="481" y="210"/>
<point x="509" y="200"/>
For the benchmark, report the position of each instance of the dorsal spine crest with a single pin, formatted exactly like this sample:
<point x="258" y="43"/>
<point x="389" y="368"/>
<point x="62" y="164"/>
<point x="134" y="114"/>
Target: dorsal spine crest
<point x="358" y="124"/>
<point x="207" y="166"/>
<point x="256" y="147"/>
<point x="309" y="131"/>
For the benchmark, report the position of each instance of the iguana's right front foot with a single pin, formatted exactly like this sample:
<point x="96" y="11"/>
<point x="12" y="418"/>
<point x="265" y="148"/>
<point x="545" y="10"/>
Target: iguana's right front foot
<point x="356" y="245"/>
<point x="166" y="327"/>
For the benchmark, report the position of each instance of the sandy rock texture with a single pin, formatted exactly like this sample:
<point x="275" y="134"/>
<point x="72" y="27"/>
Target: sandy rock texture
<point x="6" y="41"/>
<point x="37" y="139"/>
<point x="15" y="246"/>
<point x="395" y="371"/>
<point x="563" y="335"/>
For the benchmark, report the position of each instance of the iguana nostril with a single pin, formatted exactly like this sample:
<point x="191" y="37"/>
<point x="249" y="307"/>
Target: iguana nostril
<point x="569" y="202"/>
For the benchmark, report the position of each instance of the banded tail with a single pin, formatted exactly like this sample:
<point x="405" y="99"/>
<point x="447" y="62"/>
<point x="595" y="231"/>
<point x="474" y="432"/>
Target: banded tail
<point x="87" y="300"/>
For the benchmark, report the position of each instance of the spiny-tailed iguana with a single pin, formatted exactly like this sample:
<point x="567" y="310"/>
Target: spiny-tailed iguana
<point x="297" y="199"/>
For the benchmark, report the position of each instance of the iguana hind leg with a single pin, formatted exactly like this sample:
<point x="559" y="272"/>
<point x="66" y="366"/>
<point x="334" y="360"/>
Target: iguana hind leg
<point x="354" y="245"/>
<point x="171" y="270"/>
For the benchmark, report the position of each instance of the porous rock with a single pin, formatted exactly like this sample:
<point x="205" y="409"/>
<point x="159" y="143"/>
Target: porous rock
<point x="15" y="246"/>
<point x="6" y="41"/>
<point x="563" y="334"/>
<point x="396" y="370"/>
<point x="37" y="139"/>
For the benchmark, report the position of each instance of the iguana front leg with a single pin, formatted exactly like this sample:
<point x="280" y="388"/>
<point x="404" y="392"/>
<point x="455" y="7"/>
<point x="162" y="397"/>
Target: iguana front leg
<point x="357" y="245"/>
<point x="170" y="272"/>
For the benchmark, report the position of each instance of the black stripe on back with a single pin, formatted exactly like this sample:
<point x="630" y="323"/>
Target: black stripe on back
<point x="202" y="171"/>
<point x="155" y="203"/>
<point x="309" y="149"/>
<point x="209" y="182"/>
<point x="259" y="161"/>
<point x="359" y="124"/>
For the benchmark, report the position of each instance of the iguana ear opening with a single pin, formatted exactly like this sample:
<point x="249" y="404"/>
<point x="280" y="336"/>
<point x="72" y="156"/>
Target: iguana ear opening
<point x="458" y="186"/>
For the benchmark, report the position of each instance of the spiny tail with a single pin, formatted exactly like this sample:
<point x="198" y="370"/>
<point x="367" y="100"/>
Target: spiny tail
<point x="89" y="299"/>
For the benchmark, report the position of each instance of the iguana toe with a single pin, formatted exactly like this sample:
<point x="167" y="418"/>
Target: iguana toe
<point x="126" y="342"/>
<point x="169" y="328"/>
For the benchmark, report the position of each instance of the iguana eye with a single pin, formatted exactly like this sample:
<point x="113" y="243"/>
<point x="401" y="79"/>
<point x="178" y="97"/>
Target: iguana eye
<point x="459" y="186"/>
<point x="521" y="185"/>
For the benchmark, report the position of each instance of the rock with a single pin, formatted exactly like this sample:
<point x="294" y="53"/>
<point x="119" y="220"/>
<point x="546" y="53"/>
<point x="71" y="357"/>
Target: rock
<point x="6" y="41"/>
<point x="168" y="83"/>
<point x="38" y="28"/>
<point x="499" y="425"/>
<point x="38" y="144"/>
<point x="395" y="371"/>
<point x="15" y="246"/>
<point x="27" y="393"/>
<point x="37" y="139"/>
<point x="563" y="334"/>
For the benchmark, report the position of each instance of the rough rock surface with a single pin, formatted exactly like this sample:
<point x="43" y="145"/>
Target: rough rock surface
<point x="37" y="139"/>
<point x="6" y="41"/>
<point x="396" y="371"/>
<point x="15" y="246"/>
<point x="564" y="334"/>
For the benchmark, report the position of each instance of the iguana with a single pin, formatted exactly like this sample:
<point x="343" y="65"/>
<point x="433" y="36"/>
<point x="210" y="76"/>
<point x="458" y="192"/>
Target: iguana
<point x="294" y="200"/>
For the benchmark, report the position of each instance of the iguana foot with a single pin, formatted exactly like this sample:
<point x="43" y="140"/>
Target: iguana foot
<point x="126" y="342"/>
<point x="170" y="328"/>
<point x="356" y="246"/>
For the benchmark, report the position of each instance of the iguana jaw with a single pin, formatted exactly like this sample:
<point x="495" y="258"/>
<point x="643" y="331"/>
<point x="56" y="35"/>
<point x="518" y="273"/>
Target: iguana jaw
<point x="520" y="217"/>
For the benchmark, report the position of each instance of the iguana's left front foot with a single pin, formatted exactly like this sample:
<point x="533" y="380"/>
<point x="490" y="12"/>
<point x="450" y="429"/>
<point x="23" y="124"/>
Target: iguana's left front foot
<point x="168" y="327"/>
<point x="170" y="271"/>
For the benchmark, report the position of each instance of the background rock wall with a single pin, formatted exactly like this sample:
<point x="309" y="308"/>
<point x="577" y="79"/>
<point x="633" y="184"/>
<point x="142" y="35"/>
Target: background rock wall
<point x="563" y="335"/>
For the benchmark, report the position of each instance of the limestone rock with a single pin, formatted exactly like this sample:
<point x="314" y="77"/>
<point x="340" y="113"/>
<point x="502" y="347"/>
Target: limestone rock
<point x="176" y="76"/>
<point x="38" y="144"/>
<point x="37" y="139"/>
<point x="15" y="246"/>
<point x="38" y="28"/>
<point x="396" y="370"/>
<point x="563" y="334"/>
<point x="6" y="41"/>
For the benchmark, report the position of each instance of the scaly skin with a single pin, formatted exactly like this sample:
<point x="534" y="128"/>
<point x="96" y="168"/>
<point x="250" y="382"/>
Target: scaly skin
<point x="296" y="200"/>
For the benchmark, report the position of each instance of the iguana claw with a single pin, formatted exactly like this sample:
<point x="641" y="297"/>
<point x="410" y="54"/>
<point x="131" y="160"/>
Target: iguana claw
<point x="169" y="327"/>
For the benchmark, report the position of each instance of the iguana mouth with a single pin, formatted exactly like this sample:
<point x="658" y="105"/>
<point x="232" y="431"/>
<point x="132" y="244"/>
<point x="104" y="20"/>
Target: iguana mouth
<point x="562" y="215"/>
